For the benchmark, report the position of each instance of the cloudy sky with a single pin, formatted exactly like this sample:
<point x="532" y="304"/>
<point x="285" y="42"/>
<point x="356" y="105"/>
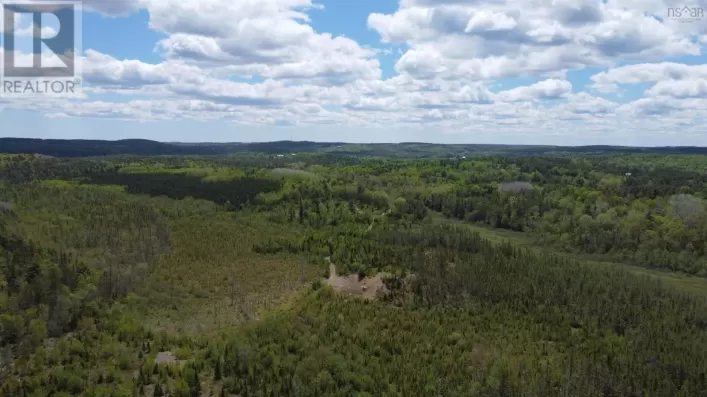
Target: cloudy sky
<point x="567" y="72"/>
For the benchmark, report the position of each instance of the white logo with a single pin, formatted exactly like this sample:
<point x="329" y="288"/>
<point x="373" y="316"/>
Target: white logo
<point x="41" y="48"/>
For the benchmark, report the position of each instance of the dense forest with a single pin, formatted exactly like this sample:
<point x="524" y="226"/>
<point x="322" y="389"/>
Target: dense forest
<point x="144" y="147"/>
<point x="349" y="274"/>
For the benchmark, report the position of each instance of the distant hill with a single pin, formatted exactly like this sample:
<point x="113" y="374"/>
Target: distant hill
<point x="144" y="147"/>
<point x="85" y="148"/>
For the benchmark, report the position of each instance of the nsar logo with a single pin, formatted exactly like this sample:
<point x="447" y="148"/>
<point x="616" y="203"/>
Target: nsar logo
<point x="685" y="14"/>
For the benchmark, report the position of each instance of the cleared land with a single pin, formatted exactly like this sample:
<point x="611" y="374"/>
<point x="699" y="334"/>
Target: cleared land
<point x="353" y="285"/>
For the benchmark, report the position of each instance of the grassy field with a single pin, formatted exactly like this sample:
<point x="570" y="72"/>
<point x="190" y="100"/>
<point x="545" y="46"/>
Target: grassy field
<point x="211" y="279"/>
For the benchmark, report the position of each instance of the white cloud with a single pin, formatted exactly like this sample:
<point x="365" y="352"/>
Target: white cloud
<point x="48" y="59"/>
<point x="33" y="30"/>
<point x="583" y="103"/>
<point x="666" y="108"/>
<point x="25" y="27"/>
<point x="693" y="88"/>
<point x="271" y="38"/>
<point x="646" y="73"/>
<point x="494" y="39"/>
<point x="260" y="62"/>
<point x="546" y="89"/>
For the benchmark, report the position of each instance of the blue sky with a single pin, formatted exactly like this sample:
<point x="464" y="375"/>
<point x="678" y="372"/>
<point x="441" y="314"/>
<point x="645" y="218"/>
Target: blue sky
<point x="568" y="72"/>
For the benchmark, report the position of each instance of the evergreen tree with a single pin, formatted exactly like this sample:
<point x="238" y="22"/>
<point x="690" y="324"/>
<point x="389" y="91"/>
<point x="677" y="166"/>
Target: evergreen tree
<point x="217" y="371"/>
<point x="158" y="390"/>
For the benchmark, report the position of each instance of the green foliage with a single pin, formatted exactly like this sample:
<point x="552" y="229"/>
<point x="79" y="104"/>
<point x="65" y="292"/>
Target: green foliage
<point x="217" y="371"/>
<point x="123" y="275"/>
<point x="490" y="318"/>
<point x="178" y="186"/>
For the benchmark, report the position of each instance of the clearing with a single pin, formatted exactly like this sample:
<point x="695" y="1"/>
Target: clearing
<point x="167" y="357"/>
<point x="352" y="285"/>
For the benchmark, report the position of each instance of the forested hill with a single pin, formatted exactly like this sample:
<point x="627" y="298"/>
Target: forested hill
<point x="86" y="148"/>
<point x="143" y="147"/>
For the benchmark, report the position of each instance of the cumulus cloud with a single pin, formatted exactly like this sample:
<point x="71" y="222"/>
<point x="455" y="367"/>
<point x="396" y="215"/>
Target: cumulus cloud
<point x="546" y="89"/>
<point x="177" y="78"/>
<point x="25" y="27"/>
<point x="693" y="88"/>
<point x="495" y="39"/>
<point x="668" y="108"/>
<point x="583" y="103"/>
<point x="271" y="38"/>
<point x="260" y="62"/>
<point x="609" y="80"/>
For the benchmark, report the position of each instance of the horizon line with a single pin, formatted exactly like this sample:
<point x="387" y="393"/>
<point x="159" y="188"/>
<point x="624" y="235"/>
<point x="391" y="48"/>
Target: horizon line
<point x="345" y="143"/>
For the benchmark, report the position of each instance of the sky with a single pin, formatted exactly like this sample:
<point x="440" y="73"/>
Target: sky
<point x="561" y="72"/>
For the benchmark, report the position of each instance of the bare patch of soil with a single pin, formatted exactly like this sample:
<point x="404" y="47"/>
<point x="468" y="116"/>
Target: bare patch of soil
<point x="167" y="357"/>
<point x="367" y="288"/>
<point x="5" y="206"/>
